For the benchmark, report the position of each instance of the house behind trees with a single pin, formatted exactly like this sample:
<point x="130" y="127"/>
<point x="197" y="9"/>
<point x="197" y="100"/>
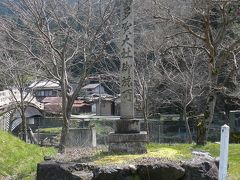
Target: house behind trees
<point x="45" y="88"/>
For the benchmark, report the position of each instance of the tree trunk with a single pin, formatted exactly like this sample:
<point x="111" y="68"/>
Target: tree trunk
<point x="66" y="107"/>
<point x="24" y="126"/>
<point x="64" y="133"/>
<point x="65" y="126"/>
<point x="189" y="134"/>
<point x="204" y="127"/>
<point x="209" y="113"/>
<point x="210" y="106"/>
<point x="212" y="96"/>
<point x="200" y="131"/>
<point x="24" y="120"/>
<point x="145" y="108"/>
<point x="65" y="129"/>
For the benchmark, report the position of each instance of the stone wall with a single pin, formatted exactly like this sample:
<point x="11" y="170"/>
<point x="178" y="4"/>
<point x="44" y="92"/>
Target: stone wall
<point x="198" y="168"/>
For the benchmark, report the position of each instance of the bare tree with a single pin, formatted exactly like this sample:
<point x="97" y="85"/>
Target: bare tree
<point x="65" y="39"/>
<point x="210" y="24"/>
<point x="143" y="82"/>
<point x="183" y="79"/>
<point x="14" y="77"/>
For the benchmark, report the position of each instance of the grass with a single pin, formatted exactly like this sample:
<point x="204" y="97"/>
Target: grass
<point x="233" y="157"/>
<point x="51" y="130"/>
<point x="19" y="159"/>
<point x="178" y="152"/>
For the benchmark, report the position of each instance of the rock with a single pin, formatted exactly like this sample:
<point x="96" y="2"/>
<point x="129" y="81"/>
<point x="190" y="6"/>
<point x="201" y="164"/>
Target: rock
<point x="200" y="168"/>
<point x="83" y="175"/>
<point x="79" y="171"/>
<point x="116" y="173"/>
<point x="47" y="158"/>
<point x="202" y="154"/>
<point x="217" y="160"/>
<point x="128" y="173"/>
<point x="160" y="170"/>
<point x="50" y="170"/>
<point x="103" y="173"/>
<point x="132" y="168"/>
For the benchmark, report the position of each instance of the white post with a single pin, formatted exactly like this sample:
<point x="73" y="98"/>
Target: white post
<point x="222" y="175"/>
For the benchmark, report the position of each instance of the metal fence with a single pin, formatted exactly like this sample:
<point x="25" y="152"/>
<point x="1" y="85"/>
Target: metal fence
<point x="158" y="131"/>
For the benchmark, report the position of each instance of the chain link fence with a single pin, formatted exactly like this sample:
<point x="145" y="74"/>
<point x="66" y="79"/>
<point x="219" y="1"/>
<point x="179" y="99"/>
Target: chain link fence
<point x="158" y="131"/>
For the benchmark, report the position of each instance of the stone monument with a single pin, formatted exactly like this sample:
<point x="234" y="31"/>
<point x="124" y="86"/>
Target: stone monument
<point x="127" y="137"/>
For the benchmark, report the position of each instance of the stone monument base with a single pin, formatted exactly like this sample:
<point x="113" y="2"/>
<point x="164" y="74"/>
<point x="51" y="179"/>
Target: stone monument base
<point x="132" y="143"/>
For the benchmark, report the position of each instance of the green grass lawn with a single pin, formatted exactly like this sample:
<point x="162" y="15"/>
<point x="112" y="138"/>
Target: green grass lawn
<point x="179" y="152"/>
<point x="19" y="159"/>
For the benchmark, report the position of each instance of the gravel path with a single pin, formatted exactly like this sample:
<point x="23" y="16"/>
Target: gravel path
<point x="81" y="155"/>
<point x="88" y="155"/>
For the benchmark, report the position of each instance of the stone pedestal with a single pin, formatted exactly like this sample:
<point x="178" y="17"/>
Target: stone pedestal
<point x="134" y="143"/>
<point x="128" y="138"/>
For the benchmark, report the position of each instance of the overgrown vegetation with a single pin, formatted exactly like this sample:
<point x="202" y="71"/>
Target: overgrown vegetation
<point x="18" y="159"/>
<point x="177" y="152"/>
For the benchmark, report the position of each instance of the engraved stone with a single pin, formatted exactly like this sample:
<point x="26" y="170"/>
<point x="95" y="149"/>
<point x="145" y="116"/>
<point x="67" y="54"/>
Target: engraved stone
<point x="127" y="137"/>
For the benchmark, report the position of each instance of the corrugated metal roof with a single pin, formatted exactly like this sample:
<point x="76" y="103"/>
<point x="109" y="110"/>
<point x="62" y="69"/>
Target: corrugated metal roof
<point x="53" y="107"/>
<point x="44" y="84"/>
<point x="91" y="86"/>
<point x="54" y="104"/>
<point x="80" y="105"/>
<point x="59" y="100"/>
<point x="52" y="100"/>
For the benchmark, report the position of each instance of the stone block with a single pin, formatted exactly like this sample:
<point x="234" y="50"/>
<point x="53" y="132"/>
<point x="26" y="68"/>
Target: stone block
<point x="81" y="137"/>
<point x="127" y="126"/>
<point x="128" y="143"/>
<point x="122" y="138"/>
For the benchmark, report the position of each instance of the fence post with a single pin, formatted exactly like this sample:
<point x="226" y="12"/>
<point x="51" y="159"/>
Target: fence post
<point x="222" y="174"/>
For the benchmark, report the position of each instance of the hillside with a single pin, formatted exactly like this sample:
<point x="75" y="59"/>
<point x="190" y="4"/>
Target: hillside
<point x="19" y="159"/>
